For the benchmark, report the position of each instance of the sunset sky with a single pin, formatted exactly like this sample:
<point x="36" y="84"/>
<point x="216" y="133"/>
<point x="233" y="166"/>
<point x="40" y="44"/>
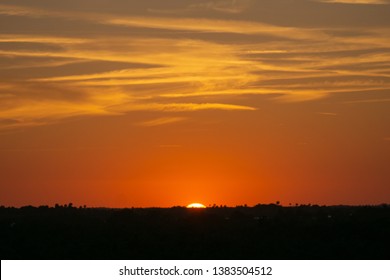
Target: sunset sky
<point x="159" y="103"/>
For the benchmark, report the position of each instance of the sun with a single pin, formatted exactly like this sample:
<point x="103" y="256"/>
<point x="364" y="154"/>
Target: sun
<point x="196" y="205"/>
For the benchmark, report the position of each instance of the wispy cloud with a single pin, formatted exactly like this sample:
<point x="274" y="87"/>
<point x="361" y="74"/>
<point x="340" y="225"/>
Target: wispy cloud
<point x="327" y="114"/>
<point x="179" y="107"/>
<point x="378" y="100"/>
<point x="162" y="121"/>
<point x="216" y="26"/>
<point x="170" y="23"/>
<point x="17" y="38"/>
<point x="221" y="6"/>
<point x="299" y="96"/>
<point x="178" y="69"/>
<point x="13" y="10"/>
<point x="370" y="2"/>
<point x="225" y="6"/>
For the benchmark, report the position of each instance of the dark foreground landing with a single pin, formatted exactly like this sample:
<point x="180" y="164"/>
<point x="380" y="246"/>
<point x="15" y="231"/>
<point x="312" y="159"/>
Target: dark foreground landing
<point x="260" y="232"/>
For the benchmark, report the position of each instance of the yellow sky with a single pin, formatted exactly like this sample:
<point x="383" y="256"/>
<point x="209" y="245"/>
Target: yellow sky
<point x="163" y="103"/>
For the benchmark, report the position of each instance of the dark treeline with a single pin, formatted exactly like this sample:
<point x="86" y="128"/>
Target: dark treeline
<point x="261" y="232"/>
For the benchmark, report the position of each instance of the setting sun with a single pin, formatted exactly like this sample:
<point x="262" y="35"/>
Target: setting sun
<point x="196" y="205"/>
<point x="150" y="104"/>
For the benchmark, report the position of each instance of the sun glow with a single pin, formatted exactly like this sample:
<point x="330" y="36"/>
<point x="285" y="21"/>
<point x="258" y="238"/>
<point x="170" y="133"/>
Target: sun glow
<point x="196" y="205"/>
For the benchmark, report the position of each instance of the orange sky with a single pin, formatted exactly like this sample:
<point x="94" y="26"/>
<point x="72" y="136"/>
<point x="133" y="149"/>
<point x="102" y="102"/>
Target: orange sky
<point x="163" y="103"/>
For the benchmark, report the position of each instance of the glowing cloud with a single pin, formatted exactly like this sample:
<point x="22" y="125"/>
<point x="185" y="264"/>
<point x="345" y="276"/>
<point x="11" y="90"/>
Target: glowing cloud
<point x="176" y="70"/>
<point x="370" y="2"/>
<point x="179" y="107"/>
<point x="162" y="121"/>
<point x="226" y="6"/>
